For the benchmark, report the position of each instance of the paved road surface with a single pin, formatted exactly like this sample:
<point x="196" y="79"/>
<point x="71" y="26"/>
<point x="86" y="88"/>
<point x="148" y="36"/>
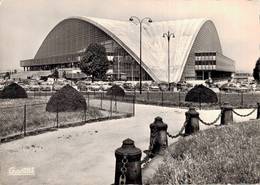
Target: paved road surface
<point x="84" y="155"/>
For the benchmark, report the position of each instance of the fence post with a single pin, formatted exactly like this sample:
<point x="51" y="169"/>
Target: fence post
<point x="115" y="103"/>
<point x="128" y="164"/>
<point x="101" y="100"/>
<point x="179" y="98"/>
<point x="147" y="95"/>
<point x="162" y="98"/>
<point x="192" y="119"/>
<point x="158" y="137"/>
<point x="227" y="114"/>
<point x="258" y="110"/>
<point x="24" y="120"/>
<point x="133" y="105"/>
<point x="57" y="115"/>
<point x="88" y="99"/>
<point x="242" y="99"/>
<point x="85" y="113"/>
<point x="219" y="100"/>
<point x="111" y="106"/>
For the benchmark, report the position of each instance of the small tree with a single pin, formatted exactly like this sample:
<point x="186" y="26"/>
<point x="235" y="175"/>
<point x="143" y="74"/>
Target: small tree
<point x="95" y="62"/>
<point x="256" y="71"/>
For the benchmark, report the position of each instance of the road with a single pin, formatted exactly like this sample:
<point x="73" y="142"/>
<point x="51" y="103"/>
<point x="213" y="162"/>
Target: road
<point x="85" y="154"/>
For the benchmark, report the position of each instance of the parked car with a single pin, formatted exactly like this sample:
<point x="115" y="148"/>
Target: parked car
<point x="25" y="87"/>
<point x="34" y="87"/>
<point x="95" y="87"/>
<point x="128" y="86"/>
<point x="1" y="87"/>
<point x="57" y="86"/>
<point x="183" y="86"/>
<point x="163" y="86"/>
<point x="82" y="87"/>
<point x="106" y="86"/>
<point x="154" y="88"/>
<point x="145" y="86"/>
<point x="45" y="87"/>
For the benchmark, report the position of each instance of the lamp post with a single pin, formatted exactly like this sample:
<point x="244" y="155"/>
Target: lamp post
<point x="168" y="35"/>
<point x="140" y="21"/>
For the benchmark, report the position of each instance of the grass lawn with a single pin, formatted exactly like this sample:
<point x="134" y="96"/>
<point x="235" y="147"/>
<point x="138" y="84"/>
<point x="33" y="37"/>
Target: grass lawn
<point x="220" y="155"/>
<point x="12" y="115"/>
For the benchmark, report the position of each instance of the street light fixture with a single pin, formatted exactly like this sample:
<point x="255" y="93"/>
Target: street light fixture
<point x="168" y="35"/>
<point x="140" y="21"/>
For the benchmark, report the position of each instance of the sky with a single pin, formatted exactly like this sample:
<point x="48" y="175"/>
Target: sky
<point x="25" y="23"/>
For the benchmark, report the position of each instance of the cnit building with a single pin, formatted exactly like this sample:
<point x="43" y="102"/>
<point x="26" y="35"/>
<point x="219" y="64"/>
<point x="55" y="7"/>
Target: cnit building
<point x="195" y="51"/>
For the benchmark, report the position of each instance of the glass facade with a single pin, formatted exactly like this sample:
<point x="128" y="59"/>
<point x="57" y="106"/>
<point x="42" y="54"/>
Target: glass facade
<point x="124" y="66"/>
<point x="205" y="61"/>
<point x="206" y="66"/>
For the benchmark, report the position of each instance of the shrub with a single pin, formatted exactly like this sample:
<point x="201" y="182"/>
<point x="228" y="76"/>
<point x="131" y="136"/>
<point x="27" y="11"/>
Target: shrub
<point x="66" y="99"/>
<point x="13" y="91"/>
<point x="222" y="155"/>
<point x="116" y="90"/>
<point x="202" y="94"/>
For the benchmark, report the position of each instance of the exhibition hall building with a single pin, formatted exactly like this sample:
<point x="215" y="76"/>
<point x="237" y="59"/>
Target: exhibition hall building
<point x="195" y="50"/>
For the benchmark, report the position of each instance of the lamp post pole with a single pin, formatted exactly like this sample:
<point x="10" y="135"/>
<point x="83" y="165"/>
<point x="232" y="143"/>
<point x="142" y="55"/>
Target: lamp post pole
<point x="140" y="21"/>
<point x="118" y="67"/>
<point x="168" y="35"/>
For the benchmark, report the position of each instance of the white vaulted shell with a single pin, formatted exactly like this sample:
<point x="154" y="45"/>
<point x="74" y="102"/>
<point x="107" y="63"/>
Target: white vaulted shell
<point x="191" y="35"/>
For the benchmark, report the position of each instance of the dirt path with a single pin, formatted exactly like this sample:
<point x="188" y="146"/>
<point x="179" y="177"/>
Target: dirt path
<point x="83" y="155"/>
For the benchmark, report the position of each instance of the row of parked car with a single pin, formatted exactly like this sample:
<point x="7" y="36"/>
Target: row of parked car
<point x="83" y="85"/>
<point x="239" y="87"/>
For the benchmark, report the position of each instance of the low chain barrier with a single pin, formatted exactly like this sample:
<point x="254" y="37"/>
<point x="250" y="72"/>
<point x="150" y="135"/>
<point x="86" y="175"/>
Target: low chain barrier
<point x="211" y="123"/>
<point x="244" y="115"/>
<point x="159" y="142"/>
<point x="122" y="178"/>
<point x="180" y="132"/>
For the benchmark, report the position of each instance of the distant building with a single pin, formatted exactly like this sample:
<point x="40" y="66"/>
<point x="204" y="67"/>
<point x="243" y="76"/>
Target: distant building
<point x="242" y="76"/>
<point x="196" y="51"/>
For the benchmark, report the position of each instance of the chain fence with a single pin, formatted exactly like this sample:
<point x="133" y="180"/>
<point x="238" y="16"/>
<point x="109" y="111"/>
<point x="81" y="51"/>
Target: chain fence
<point x="211" y="123"/>
<point x="173" y="98"/>
<point x="122" y="178"/>
<point x="180" y="133"/>
<point x="26" y="116"/>
<point x="177" y="98"/>
<point x="244" y="115"/>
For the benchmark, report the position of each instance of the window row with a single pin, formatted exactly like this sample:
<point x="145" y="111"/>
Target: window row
<point x="206" y="62"/>
<point x="206" y="54"/>
<point x="202" y="58"/>
<point x="205" y="67"/>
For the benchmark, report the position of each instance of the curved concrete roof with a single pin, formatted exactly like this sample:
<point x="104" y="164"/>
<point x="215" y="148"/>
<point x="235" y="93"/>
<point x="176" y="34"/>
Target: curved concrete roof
<point x="154" y="46"/>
